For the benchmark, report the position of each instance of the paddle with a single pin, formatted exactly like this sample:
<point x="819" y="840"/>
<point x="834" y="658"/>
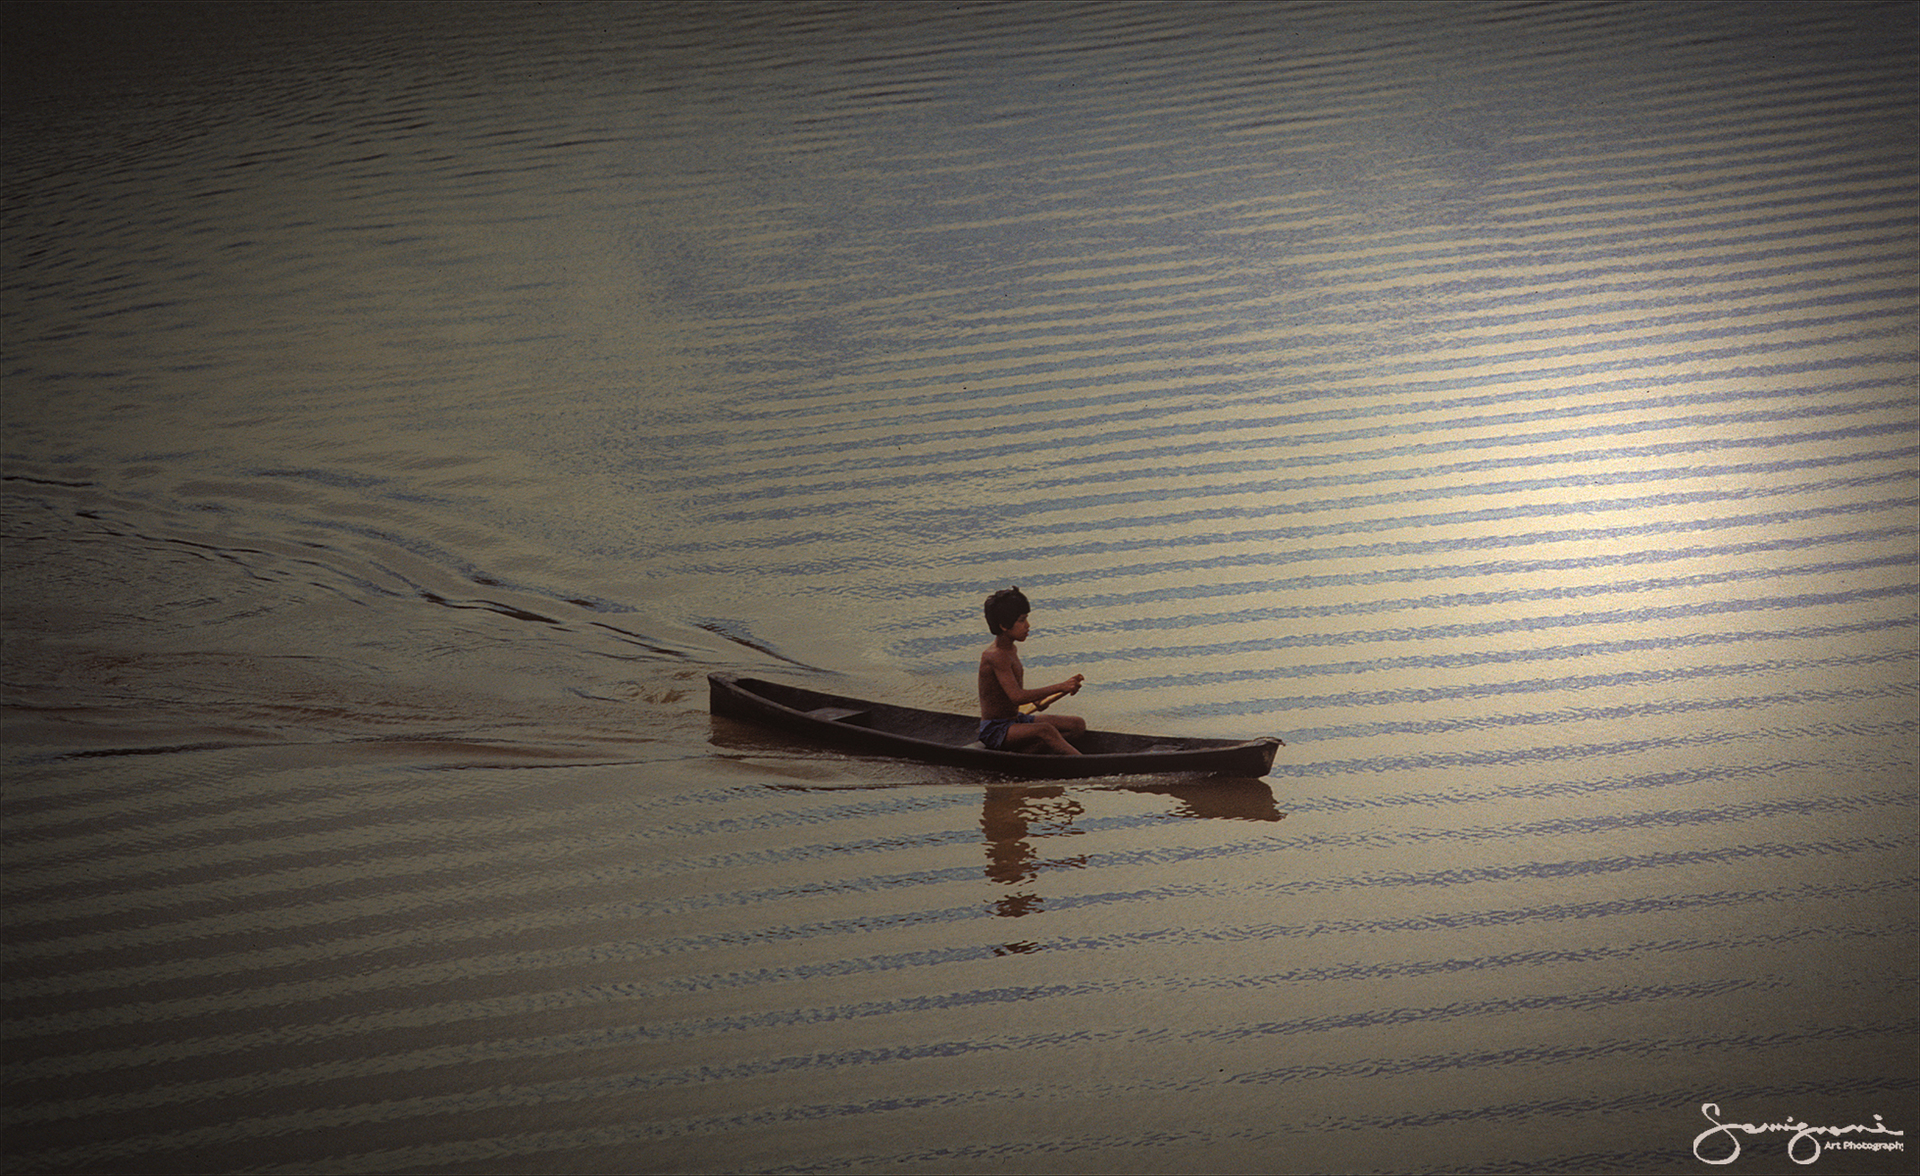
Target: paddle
<point x="1043" y="704"/>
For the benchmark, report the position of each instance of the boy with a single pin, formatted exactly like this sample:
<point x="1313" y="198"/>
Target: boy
<point x="1003" y="687"/>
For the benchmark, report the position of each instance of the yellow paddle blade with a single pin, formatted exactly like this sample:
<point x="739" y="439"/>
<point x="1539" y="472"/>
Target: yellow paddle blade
<point x="1043" y="704"/>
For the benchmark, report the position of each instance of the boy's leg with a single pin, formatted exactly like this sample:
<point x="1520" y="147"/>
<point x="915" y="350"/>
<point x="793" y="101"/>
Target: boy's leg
<point x="1045" y="733"/>
<point x="1072" y="726"/>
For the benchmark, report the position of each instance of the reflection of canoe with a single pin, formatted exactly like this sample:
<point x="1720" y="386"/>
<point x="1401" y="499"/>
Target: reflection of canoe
<point x="879" y="728"/>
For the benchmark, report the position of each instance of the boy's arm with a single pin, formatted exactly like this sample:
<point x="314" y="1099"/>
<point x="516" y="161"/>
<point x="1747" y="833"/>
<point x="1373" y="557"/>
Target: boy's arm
<point x="1018" y="694"/>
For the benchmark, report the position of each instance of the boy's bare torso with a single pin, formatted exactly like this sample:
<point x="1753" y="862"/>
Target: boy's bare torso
<point x="994" y="703"/>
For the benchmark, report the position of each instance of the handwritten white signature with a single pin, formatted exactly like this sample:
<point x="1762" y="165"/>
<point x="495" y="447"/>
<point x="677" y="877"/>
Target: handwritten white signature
<point x="1803" y="1133"/>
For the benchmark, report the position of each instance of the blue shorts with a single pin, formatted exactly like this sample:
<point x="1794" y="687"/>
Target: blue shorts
<point x="993" y="732"/>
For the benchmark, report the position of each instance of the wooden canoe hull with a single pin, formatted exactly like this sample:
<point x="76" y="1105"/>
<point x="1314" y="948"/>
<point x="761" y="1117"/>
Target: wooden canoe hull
<point x="878" y="728"/>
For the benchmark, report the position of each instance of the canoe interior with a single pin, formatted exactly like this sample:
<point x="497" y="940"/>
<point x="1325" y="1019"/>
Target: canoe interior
<point x="934" y="727"/>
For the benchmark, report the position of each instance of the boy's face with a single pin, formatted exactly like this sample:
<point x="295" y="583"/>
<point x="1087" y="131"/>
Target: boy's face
<point x="1019" y="629"/>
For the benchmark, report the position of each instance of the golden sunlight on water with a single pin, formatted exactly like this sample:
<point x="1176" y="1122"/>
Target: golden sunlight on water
<point x="1512" y="407"/>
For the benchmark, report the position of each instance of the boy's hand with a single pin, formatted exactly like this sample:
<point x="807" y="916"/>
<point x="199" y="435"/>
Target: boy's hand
<point x="1055" y="694"/>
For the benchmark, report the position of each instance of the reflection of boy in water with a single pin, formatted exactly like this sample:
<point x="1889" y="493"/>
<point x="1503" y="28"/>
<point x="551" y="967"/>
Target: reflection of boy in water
<point x="1003" y="687"/>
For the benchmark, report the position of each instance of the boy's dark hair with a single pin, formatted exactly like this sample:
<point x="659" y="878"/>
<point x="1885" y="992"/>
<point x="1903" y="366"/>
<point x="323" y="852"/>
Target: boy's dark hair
<point x="1004" y="608"/>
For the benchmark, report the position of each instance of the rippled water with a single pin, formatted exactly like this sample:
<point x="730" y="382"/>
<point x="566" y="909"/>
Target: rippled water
<point x="1512" y="406"/>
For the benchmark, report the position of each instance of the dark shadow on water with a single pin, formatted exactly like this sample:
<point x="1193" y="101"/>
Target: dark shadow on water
<point x="1233" y="798"/>
<point x="1013" y="817"/>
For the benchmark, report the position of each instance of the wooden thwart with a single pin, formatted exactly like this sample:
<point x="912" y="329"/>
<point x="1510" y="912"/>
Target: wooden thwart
<point x="838" y="714"/>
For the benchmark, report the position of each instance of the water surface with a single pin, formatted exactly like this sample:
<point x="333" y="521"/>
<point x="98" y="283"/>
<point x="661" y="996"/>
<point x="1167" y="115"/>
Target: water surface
<point x="406" y="407"/>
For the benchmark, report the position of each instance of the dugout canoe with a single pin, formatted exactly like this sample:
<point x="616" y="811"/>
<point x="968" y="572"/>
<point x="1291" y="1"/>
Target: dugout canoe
<point x="881" y="728"/>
